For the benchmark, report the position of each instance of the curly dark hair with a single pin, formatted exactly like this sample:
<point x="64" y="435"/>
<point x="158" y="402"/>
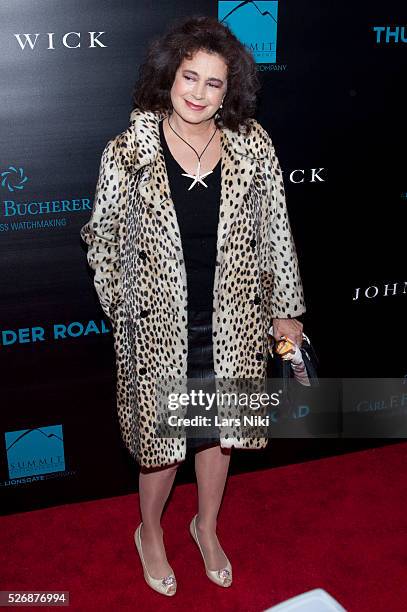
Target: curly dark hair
<point x="182" y="40"/>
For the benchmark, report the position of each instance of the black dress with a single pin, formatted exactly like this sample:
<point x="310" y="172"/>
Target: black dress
<point x="197" y="214"/>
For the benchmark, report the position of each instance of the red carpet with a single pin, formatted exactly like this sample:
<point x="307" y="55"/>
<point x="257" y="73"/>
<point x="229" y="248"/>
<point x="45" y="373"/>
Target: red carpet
<point x="338" y="523"/>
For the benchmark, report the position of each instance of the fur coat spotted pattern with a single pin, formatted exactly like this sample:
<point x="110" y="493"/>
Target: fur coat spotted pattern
<point x="135" y="250"/>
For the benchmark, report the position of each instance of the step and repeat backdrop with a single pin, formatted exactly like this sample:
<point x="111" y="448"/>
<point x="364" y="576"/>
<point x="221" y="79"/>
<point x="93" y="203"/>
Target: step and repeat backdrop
<point x="333" y="99"/>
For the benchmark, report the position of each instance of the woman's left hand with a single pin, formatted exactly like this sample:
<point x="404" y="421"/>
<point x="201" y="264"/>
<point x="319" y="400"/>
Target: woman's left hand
<point x="292" y="328"/>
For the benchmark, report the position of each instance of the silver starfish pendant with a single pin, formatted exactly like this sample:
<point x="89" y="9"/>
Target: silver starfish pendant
<point x="197" y="177"/>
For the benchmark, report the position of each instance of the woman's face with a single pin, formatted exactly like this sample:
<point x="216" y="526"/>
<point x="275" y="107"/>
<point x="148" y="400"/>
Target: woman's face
<point x="199" y="86"/>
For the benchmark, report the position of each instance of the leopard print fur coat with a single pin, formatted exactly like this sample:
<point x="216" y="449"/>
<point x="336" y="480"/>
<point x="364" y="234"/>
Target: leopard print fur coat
<point x="135" y="250"/>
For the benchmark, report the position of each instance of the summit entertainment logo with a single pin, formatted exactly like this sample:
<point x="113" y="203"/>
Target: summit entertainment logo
<point x="255" y="24"/>
<point x="36" y="451"/>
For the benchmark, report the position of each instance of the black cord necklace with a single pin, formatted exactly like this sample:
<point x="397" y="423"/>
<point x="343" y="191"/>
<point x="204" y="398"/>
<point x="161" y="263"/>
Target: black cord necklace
<point x="197" y="177"/>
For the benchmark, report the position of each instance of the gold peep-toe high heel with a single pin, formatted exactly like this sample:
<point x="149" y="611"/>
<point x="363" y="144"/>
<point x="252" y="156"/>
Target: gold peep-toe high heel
<point x="166" y="585"/>
<point x="222" y="577"/>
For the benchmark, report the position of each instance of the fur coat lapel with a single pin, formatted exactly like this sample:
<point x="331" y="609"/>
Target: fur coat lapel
<point x="238" y="152"/>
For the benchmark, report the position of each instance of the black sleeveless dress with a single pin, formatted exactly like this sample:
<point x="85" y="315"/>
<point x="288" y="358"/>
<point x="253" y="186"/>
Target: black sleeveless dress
<point x="198" y="215"/>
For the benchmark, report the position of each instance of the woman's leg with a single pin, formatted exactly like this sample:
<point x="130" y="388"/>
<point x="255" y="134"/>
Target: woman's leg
<point x="211" y="467"/>
<point x="154" y="489"/>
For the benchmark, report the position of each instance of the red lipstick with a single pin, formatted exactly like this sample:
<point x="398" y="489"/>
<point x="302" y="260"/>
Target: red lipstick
<point x="194" y="106"/>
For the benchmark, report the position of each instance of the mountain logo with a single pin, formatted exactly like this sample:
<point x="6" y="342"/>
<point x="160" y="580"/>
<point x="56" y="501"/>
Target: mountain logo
<point x="254" y="24"/>
<point x="39" y="450"/>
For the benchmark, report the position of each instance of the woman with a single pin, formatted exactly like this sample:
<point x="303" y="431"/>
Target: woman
<point x="194" y="260"/>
